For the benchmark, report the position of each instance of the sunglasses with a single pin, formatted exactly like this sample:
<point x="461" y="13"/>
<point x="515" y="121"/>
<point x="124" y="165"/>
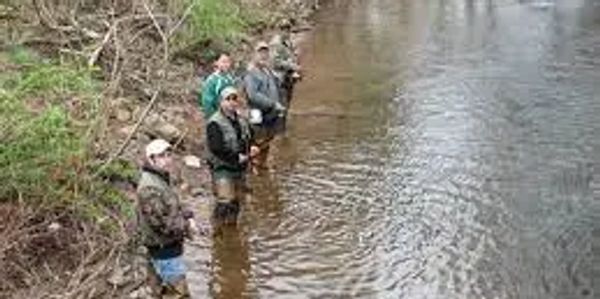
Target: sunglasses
<point x="167" y="153"/>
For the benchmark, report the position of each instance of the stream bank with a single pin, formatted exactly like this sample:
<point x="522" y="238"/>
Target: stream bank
<point x="144" y="85"/>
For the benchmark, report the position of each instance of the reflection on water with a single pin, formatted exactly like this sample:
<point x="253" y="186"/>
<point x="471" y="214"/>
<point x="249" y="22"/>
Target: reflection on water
<point x="230" y="264"/>
<point x="438" y="149"/>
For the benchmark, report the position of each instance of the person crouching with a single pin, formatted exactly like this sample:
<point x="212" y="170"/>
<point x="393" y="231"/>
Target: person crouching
<point x="229" y="153"/>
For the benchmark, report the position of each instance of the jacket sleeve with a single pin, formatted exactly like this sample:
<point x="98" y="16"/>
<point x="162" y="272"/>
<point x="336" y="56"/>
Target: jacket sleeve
<point x="216" y="144"/>
<point x="209" y="98"/>
<point x="282" y="61"/>
<point x="255" y="97"/>
<point x="162" y="214"/>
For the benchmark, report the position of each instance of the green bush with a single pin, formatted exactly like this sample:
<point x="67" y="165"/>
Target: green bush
<point x="39" y="142"/>
<point x="36" y="153"/>
<point x="43" y="154"/>
<point x="211" y="20"/>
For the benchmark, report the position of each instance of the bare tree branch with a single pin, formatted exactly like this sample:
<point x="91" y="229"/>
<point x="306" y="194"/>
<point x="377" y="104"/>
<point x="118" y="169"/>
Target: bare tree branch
<point x="94" y="56"/>
<point x="118" y="152"/>
<point x="159" y="30"/>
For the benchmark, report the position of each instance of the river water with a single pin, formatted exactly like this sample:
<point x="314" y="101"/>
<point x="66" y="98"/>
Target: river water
<point x="436" y="149"/>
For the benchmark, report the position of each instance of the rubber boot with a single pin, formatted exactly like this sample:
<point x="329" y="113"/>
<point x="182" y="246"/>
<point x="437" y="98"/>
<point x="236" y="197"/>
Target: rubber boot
<point x="227" y="207"/>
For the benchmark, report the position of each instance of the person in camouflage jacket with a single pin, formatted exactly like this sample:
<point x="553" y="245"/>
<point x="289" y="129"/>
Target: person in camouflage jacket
<point x="285" y="61"/>
<point x="162" y="221"/>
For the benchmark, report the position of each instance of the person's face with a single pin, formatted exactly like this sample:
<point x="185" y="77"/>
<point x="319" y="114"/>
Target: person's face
<point x="223" y="63"/>
<point x="263" y="57"/>
<point x="163" y="161"/>
<point x="231" y="103"/>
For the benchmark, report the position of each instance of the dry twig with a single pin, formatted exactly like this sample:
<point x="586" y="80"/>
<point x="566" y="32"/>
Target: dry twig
<point x="159" y="30"/>
<point x="118" y="152"/>
<point x="96" y="53"/>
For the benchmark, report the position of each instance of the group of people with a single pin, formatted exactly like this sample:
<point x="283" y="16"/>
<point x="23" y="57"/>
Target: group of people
<point x="242" y="117"/>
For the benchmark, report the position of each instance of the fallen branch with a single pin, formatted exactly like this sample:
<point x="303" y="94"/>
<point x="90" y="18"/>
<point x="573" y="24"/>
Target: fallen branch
<point x="180" y="140"/>
<point x="94" y="57"/>
<point x="47" y="20"/>
<point x="185" y="15"/>
<point x="160" y="32"/>
<point x="115" y="74"/>
<point x="120" y="150"/>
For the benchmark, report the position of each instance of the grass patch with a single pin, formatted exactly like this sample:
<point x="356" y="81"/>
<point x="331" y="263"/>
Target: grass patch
<point x="46" y="110"/>
<point x="213" y="20"/>
<point x="120" y="170"/>
<point x="220" y="21"/>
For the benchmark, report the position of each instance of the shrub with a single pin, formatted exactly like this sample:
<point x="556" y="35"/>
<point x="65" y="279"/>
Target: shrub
<point x="43" y="153"/>
<point x="221" y="21"/>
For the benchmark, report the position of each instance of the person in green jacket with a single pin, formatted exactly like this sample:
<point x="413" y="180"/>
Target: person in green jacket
<point x="214" y="84"/>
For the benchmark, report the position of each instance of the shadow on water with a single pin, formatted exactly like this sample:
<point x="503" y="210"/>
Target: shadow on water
<point x="437" y="149"/>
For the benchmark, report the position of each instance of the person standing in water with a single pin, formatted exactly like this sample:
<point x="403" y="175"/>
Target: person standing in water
<point x="229" y="152"/>
<point x="163" y="223"/>
<point x="264" y="100"/>
<point x="285" y="61"/>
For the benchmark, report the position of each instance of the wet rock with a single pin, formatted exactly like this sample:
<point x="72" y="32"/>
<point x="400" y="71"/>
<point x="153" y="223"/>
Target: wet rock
<point x="123" y="115"/>
<point x="157" y="126"/>
<point x="54" y="226"/>
<point x="192" y="161"/>
<point x="122" y="108"/>
<point x="175" y="111"/>
<point x="142" y="293"/>
<point x="124" y="131"/>
<point x="120" y="277"/>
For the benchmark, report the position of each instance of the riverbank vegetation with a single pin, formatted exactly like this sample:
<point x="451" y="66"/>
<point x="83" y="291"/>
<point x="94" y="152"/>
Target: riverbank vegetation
<point x="69" y="147"/>
<point x="56" y="214"/>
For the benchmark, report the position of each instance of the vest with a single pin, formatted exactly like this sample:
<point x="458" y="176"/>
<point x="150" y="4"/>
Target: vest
<point x="231" y="141"/>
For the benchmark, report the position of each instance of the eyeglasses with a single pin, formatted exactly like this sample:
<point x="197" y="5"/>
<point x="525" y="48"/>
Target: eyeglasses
<point x="232" y="98"/>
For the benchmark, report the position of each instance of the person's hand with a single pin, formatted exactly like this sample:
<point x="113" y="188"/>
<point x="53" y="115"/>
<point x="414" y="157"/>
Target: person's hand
<point x="279" y="108"/>
<point x="243" y="158"/>
<point x="254" y="151"/>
